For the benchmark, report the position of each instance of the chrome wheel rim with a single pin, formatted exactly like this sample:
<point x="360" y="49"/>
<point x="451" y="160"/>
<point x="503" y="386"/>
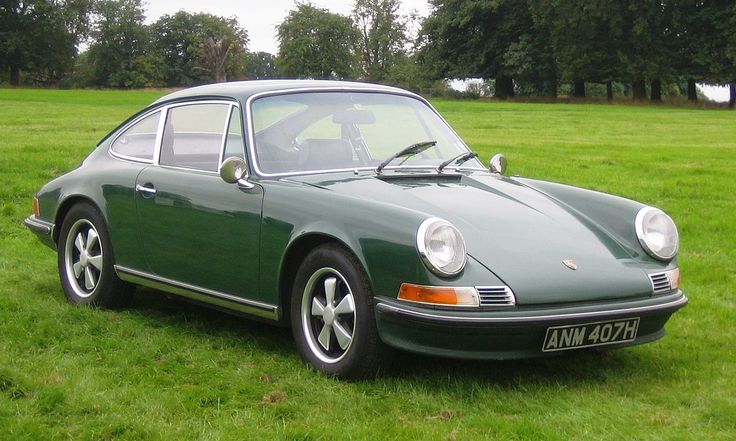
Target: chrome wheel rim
<point x="328" y="315"/>
<point x="83" y="258"/>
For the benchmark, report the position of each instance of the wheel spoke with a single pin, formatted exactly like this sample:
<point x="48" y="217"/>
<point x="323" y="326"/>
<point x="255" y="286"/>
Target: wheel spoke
<point x="96" y="261"/>
<point x="343" y="336"/>
<point x="89" y="278"/>
<point x="330" y="285"/>
<point x="78" y="268"/>
<point x="317" y="307"/>
<point x="91" y="239"/>
<point x="324" y="336"/>
<point x="79" y="242"/>
<point x="346" y="305"/>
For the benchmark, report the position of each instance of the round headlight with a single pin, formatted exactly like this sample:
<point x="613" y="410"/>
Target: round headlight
<point x="441" y="246"/>
<point x="657" y="233"/>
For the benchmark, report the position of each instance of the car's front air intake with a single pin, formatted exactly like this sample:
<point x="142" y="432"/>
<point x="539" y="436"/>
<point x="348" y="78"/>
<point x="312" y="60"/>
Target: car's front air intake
<point x="499" y="296"/>
<point x="660" y="282"/>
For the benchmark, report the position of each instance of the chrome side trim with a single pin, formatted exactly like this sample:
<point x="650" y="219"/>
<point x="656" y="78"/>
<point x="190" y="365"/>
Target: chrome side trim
<point x="39" y="225"/>
<point x="455" y="319"/>
<point x="205" y="295"/>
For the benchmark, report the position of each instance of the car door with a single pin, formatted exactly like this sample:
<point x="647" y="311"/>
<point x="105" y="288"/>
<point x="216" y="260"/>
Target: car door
<point x="198" y="231"/>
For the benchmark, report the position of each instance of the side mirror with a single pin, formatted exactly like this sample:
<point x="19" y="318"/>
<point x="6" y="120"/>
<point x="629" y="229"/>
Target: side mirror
<point x="233" y="170"/>
<point x="498" y="164"/>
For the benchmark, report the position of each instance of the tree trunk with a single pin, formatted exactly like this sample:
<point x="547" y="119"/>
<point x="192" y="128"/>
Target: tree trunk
<point x="578" y="88"/>
<point x="552" y="88"/>
<point x="731" y="95"/>
<point x="14" y="75"/>
<point x="692" y="90"/>
<point x="504" y="87"/>
<point x="609" y="90"/>
<point x="656" y="95"/>
<point x="639" y="89"/>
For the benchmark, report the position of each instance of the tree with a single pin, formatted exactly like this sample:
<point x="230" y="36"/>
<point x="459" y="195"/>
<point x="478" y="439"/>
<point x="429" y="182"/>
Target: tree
<point x="488" y="39"/>
<point x="648" y="46"/>
<point x="40" y="37"/>
<point x="118" y="55"/>
<point x="183" y="41"/>
<point x="214" y="57"/>
<point x="261" y="65"/>
<point x="585" y="37"/>
<point x="729" y="34"/>
<point x="315" y="43"/>
<point x="382" y="36"/>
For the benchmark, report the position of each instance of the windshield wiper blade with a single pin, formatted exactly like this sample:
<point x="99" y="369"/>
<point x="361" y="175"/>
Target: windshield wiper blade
<point x="407" y="151"/>
<point x="459" y="159"/>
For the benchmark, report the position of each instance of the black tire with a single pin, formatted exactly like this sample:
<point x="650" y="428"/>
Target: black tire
<point x="86" y="264"/>
<point x="365" y="355"/>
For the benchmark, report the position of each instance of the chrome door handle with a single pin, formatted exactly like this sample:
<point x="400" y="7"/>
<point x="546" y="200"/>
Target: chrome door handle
<point x="145" y="191"/>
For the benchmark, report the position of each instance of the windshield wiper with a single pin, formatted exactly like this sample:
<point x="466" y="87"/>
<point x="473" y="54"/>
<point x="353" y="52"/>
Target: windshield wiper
<point x="459" y="159"/>
<point x="408" y="151"/>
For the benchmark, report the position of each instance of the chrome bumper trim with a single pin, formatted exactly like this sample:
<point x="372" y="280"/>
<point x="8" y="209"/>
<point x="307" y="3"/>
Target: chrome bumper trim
<point x="39" y="226"/>
<point x="205" y="295"/>
<point x="527" y="319"/>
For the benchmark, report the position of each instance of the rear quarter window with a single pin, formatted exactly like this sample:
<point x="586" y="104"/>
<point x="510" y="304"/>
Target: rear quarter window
<point x="139" y="140"/>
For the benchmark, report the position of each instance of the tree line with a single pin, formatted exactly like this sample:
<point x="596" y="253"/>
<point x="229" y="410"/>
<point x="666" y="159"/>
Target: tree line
<point x="545" y="48"/>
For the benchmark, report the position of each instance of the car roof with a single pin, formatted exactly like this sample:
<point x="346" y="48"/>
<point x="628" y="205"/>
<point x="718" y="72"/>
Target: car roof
<point x="242" y="90"/>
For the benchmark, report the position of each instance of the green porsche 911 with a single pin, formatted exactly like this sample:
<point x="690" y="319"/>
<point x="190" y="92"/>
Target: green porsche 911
<point x="355" y="215"/>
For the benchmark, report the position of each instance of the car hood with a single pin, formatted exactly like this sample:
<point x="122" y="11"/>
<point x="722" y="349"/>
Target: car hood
<point x="518" y="233"/>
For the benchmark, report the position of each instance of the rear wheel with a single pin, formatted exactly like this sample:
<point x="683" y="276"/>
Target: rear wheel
<point x="85" y="260"/>
<point x="332" y="316"/>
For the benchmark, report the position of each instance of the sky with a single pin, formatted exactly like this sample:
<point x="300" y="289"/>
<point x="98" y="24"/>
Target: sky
<point x="260" y="17"/>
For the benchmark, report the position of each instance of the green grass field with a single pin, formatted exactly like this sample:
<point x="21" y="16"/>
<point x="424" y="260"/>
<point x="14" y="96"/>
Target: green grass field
<point x="167" y="370"/>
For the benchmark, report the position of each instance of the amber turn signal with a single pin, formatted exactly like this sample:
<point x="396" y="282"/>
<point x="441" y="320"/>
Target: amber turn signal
<point x="439" y="295"/>
<point x="36" y="209"/>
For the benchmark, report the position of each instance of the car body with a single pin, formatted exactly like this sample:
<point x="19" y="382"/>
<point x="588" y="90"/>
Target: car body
<point x="279" y="200"/>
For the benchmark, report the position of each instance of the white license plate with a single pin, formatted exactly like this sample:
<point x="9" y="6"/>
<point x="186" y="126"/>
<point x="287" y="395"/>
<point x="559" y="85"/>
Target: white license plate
<point x="585" y="335"/>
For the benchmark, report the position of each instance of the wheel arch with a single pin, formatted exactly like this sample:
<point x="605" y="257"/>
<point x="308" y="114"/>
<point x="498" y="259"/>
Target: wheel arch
<point x="295" y="254"/>
<point x="67" y="205"/>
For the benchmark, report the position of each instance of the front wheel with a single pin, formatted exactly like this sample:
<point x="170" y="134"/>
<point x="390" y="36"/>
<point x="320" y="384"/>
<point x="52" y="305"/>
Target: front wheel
<point x="332" y="316"/>
<point x="86" y="264"/>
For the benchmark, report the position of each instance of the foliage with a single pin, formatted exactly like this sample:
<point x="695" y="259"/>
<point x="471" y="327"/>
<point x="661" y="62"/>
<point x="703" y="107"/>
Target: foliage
<point x="261" y="66"/>
<point x="316" y="43"/>
<point x="182" y="41"/>
<point x="167" y="370"/>
<point x="40" y="37"/>
<point x="118" y="55"/>
<point x="382" y="36"/>
<point x="538" y="43"/>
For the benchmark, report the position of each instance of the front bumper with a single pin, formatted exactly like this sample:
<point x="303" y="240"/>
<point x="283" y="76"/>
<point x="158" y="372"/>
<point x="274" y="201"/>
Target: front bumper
<point x="510" y="334"/>
<point x="42" y="228"/>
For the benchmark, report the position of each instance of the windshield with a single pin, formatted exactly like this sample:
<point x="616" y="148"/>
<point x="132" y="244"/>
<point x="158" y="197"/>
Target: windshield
<point x="312" y="131"/>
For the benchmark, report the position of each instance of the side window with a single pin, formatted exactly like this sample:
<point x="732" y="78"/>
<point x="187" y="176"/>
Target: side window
<point x="193" y="136"/>
<point x="234" y="140"/>
<point x="139" y="140"/>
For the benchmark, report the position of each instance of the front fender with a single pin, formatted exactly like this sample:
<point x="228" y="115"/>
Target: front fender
<point x="609" y="214"/>
<point x="381" y="235"/>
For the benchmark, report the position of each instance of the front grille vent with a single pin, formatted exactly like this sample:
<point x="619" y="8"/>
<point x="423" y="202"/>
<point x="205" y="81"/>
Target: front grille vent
<point x="499" y="296"/>
<point x="660" y="282"/>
